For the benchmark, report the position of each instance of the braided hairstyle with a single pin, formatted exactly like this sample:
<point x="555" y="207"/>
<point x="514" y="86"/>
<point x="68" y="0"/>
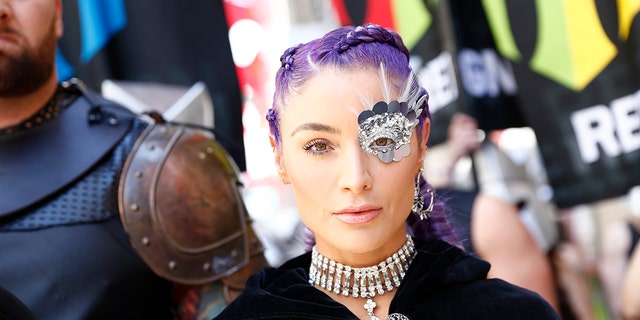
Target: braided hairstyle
<point x="354" y="48"/>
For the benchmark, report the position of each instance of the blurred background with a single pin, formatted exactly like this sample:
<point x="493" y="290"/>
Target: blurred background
<point x="557" y="79"/>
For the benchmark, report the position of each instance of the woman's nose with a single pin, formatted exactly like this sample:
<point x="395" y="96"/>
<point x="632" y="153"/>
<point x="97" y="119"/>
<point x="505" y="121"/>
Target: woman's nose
<point x="355" y="175"/>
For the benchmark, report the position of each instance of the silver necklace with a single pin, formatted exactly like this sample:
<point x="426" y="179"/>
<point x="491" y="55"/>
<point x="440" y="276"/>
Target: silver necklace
<point x="365" y="282"/>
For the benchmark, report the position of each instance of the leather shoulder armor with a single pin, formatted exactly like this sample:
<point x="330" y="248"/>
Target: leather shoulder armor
<point x="179" y="201"/>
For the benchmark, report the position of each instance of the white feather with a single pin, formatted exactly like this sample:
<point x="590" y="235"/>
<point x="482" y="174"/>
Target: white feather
<point x="384" y="83"/>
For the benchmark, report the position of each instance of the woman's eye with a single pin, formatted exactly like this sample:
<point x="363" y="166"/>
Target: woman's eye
<point x="382" y="142"/>
<point x="316" y="147"/>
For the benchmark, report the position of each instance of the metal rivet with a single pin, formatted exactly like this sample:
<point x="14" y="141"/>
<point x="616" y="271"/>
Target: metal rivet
<point x="209" y="150"/>
<point x="146" y="241"/>
<point x="206" y="266"/>
<point x="173" y="265"/>
<point x="135" y="207"/>
<point x="137" y="174"/>
<point x="234" y="253"/>
<point x="202" y="156"/>
<point x="151" y="147"/>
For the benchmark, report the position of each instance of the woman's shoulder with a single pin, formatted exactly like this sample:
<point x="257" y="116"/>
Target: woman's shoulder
<point x="497" y="299"/>
<point x="445" y="273"/>
<point x="446" y="263"/>
<point x="284" y="292"/>
<point x="294" y="271"/>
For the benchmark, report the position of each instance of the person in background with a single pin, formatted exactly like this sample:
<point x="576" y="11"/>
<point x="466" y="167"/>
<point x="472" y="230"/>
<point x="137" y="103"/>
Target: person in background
<point x="512" y="225"/>
<point x="485" y="188"/>
<point x="631" y="292"/>
<point x="630" y="304"/>
<point x="100" y="216"/>
<point x="349" y="130"/>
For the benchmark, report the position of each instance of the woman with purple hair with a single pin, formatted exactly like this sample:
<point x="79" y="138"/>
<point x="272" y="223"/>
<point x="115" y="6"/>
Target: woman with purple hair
<point x="349" y="129"/>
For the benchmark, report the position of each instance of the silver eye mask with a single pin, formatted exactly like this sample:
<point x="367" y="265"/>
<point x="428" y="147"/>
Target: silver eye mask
<point x="385" y="129"/>
<point x="390" y="124"/>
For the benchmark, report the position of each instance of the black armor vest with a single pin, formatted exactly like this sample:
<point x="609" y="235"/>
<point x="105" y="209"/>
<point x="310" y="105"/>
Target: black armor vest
<point x="63" y="250"/>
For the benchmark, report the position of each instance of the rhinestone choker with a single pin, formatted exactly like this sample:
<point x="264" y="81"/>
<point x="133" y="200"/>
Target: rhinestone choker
<point x="366" y="282"/>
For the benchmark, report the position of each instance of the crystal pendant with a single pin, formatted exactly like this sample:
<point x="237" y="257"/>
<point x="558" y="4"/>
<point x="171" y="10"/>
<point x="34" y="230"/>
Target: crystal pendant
<point x="369" y="306"/>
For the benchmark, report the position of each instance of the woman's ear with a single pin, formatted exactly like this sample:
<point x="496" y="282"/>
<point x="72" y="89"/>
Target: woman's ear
<point x="279" y="161"/>
<point x="424" y="135"/>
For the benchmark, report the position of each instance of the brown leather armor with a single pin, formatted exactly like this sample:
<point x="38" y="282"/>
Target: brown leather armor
<point x="179" y="201"/>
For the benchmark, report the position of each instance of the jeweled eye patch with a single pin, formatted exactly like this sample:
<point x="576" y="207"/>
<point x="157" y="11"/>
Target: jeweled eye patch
<point x="390" y="123"/>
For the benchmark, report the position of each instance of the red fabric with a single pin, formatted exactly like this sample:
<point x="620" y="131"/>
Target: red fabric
<point x="188" y="301"/>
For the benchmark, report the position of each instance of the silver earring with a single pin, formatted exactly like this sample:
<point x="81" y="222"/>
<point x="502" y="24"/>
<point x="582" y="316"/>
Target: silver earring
<point x="418" y="200"/>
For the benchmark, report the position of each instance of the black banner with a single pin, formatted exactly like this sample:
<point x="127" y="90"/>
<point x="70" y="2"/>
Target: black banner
<point x="576" y="66"/>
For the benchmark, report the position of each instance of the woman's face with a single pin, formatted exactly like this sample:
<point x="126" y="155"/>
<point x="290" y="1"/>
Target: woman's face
<point x="354" y="203"/>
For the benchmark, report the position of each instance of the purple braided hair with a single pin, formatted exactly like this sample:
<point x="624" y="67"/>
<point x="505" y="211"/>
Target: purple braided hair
<point x="357" y="48"/>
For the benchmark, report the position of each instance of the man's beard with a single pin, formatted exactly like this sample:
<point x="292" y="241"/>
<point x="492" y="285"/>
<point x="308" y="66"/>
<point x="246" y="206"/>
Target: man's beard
<point x="28" y="71"/>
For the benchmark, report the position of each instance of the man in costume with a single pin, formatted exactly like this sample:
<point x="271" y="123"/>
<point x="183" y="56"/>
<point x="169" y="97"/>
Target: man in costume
<point x="105" y="213"/>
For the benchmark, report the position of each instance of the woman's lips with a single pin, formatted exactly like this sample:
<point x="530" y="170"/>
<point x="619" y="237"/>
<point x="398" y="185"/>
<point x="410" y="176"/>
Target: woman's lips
<point x="357" y="215"/>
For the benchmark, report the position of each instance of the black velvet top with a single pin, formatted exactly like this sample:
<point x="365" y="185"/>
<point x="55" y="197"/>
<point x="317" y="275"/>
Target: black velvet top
<point x="443" y="282"/>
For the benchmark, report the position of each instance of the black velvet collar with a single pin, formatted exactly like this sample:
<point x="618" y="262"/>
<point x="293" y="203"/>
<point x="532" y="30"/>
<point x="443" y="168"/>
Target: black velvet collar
<point x="268" y="292"/>
<point x="443" y="282"/>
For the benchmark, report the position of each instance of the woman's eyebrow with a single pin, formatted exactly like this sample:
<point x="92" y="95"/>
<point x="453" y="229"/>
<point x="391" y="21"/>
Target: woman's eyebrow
<point x="313" y="126"/>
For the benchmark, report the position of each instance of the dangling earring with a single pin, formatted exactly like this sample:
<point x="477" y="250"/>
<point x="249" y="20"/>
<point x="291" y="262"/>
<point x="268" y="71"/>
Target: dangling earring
<point x="418" y="200"/>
